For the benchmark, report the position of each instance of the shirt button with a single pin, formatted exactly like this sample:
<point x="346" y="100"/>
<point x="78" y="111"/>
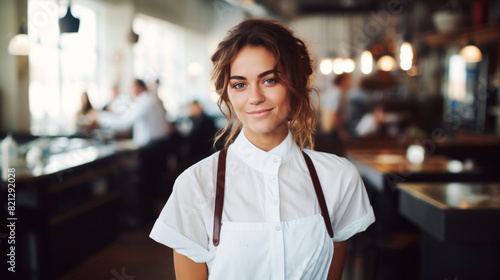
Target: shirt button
<point x="275" y="160"/>
<point x="275" y="202"/>
<point x="277" y="228"/>
<point x="272" y="177"/>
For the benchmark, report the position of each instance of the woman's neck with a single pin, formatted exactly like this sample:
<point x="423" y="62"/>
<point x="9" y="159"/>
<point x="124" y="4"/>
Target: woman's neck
<point x="266" y="141"/>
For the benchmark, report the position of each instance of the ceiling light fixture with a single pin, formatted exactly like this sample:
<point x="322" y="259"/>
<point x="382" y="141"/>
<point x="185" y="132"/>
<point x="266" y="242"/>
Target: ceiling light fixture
<point x="69" y="23"/>
<point x="19" y="44"/>
<point x="326" y="66"/>
<point x="366" y="62"/>
<point x="471" y="53"/>
<point x="387" y="63"/>
<point x="406" y="56"/>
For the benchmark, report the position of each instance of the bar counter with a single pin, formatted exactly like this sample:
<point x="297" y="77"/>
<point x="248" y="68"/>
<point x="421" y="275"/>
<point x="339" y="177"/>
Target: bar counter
<point x="68" y="204"/>
<point x="459" y="228"/>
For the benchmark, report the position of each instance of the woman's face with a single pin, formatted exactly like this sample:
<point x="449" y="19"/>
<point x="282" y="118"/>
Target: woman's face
<point x="85" y="100"/>
<point x="261" y="103"/>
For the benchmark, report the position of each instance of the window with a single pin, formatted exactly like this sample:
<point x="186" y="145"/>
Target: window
<point x="62" y="66"/>
<point x="178" y="58"/>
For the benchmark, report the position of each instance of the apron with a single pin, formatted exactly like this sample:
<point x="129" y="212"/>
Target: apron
<point x="297" y="249"/>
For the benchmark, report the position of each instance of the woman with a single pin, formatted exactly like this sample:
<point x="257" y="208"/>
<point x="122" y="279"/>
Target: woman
<point x="83" y="121"/>
<point x="261" y="218"/>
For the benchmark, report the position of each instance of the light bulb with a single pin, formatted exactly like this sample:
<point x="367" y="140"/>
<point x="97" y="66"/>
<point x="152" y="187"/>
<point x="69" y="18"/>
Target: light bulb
<point x="326" y="66"/>
<point x="348" y="65"/>
<point x="338" y="66"/>
<point x="19" y="45"/>
<point x="386" y="63"/>
<point x="406" y="56"/>
<point x="471" y="53"/>
<point x="366" y="62"/>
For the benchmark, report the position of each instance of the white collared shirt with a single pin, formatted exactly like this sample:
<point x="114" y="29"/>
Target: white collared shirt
<point x="142" y="114"/>
<point x="271" y="222"/>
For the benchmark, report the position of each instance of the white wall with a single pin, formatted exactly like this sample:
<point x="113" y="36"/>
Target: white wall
<point x="192" y="14"/>
<point x="13" y="70"/>
<point x="115" y="49"/>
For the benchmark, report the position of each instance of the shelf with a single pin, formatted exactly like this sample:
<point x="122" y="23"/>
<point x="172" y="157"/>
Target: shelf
<point x="478" y="34"/>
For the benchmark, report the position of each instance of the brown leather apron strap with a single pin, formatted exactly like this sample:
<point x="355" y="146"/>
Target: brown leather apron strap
<point x="219" y="195"/>
<point x="319" y="194"/>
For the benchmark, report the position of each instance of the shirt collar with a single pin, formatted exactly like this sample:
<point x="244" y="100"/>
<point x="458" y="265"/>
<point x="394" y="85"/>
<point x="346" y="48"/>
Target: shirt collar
<point x="266" y="162"/>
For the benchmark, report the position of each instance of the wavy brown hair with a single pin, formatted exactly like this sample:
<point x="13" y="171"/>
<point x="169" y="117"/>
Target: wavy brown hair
<point x="295" y="72"/>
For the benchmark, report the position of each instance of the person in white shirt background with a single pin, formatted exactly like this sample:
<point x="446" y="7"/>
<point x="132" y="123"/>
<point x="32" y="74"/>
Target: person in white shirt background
<point x="333" y="107"/>
<point x="275" y="218"/>
<point x="118" y="103"/>
<point x="143" y="114"/>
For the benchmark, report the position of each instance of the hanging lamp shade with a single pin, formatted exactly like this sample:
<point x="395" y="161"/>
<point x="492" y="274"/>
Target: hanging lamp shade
<point x="326" y="66"/>
<point x="20" y="43"/>
<point x="387" y="63"/>
<point x="133" y="37"/>
<point x="69" y="23"/>
<point x="348" y="65"/>
<point x="471" y="53"/>
<point x="366" y="62"/>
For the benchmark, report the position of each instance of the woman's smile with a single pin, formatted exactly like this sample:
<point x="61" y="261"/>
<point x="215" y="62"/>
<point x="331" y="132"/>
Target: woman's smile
<point x="260" y="113"/>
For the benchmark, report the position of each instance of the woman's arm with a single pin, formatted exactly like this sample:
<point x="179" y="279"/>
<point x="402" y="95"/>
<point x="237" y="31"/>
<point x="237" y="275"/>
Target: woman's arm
<point x="186" y="269"/>
<point x="337" y="265"/>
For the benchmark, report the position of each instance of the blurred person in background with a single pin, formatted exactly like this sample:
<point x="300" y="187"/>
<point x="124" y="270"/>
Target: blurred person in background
<point x="143" y="114"/>
<point x="332" y="107"/>
<point x="201" y="135"/>
<point x="118" y="103"/>
<point x="84" y="121"/>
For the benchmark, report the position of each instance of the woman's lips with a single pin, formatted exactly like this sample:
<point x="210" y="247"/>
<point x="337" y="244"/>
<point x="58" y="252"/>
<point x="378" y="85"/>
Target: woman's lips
<point x="260" y="113"/>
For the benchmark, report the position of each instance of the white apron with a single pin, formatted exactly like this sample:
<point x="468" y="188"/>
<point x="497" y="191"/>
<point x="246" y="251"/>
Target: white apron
<point x="259" y="250"/>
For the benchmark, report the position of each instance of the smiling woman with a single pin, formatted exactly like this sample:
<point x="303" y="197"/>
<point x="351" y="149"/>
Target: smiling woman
<point x="279" y="210"/>
<point x="258" y="98"/>
<point x="286" y="56"/>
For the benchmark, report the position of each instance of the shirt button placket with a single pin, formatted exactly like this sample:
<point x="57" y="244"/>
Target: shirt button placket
<point x="277" y="231"/>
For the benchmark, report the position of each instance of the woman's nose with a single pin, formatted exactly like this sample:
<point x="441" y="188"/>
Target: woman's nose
<point x="256" y="95"/>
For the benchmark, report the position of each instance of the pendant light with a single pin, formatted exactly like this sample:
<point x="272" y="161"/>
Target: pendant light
<point x="471" y="53"/>
<point x="19" y="44"/>
<point x="338" y="66"/>
<point x="133" y="37"/>
<point x="366" y="58"/>
<point x="366" y="62"/>
<point x="406" y="56"/>
<point x="68" y="23"/>
<point x="406" y="49"/>
<point x="326" y="66"/>
<point x="387" y="63"/>
<point x="348" y="65"/>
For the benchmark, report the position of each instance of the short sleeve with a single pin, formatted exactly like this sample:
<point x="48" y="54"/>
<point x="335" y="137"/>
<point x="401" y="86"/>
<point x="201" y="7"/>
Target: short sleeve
<point x="181" y="224"/>
<point x="353" y="213"/>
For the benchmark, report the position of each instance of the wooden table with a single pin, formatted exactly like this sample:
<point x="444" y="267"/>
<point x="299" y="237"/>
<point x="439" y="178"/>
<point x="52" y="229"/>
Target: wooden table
<point x="383" y="169"/>
<point x="459" y="225"/>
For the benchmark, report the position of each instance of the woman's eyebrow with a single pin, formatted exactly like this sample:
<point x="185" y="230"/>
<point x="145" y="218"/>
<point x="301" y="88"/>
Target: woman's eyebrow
<point x="263" y="74"/>
<point x="237" y="78"/>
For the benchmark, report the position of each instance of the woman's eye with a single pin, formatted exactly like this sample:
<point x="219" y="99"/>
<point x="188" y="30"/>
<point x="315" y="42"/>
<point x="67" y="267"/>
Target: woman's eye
<point x="269" y="81"/>
<point x="238" y="85"/>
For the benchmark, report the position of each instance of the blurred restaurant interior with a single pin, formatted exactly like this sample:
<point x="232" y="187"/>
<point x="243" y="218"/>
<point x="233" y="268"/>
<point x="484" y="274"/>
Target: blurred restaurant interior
<point x="421" y="117"/>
